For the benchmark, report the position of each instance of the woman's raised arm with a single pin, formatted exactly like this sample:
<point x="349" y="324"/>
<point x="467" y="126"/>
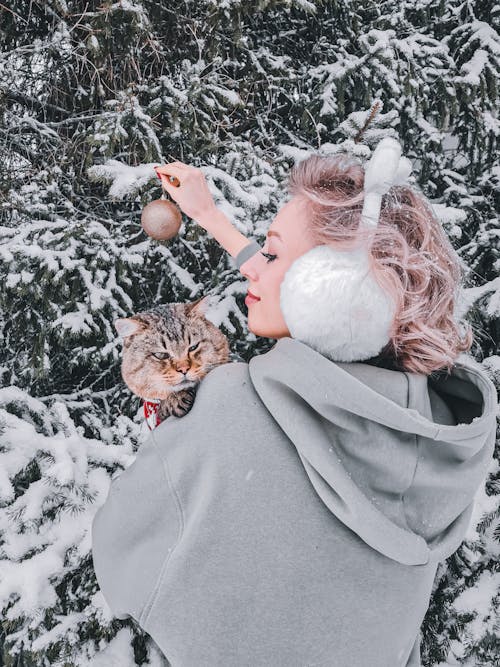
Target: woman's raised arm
<point x="195" y="200"/>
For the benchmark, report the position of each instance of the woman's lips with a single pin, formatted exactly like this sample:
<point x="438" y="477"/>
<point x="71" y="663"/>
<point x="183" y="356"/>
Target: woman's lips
<point x="251" y="298"/>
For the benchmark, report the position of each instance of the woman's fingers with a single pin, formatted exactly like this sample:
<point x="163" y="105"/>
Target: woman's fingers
<point x="194" y="197"/>
<point x="167" y="169"/>
<point x="163" y="168"/>
<point x="173" y="168"/>
<point x="170" y="170"/>
<point x="170" y="180"/>
<point x="183" y="173"/>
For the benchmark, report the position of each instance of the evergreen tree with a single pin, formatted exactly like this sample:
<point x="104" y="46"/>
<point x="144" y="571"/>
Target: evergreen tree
<point x="92" y="96"/>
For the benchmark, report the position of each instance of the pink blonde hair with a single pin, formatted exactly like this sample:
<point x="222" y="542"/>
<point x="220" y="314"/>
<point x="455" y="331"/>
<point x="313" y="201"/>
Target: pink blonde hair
<point x="412" y="258"/>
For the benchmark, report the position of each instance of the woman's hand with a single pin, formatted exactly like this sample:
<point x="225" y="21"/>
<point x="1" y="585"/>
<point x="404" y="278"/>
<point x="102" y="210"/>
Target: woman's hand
<point x="195" y="200"/>
<point x="192" y="195"/>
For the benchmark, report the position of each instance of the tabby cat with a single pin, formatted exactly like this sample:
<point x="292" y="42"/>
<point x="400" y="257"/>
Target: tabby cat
<point x="167" y="351"/>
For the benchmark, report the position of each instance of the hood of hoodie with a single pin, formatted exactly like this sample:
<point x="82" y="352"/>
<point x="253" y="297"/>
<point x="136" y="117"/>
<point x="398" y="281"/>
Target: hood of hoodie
<point x="398" y="457"/>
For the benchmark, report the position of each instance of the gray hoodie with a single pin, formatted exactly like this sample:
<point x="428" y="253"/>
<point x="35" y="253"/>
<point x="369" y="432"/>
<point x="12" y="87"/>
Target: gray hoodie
<point x="296" y="515"/>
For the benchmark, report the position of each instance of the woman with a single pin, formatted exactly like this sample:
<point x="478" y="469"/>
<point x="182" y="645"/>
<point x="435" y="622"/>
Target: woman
<point x="297" y="514"/>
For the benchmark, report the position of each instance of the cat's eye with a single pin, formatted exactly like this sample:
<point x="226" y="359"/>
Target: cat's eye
<point x="193" y="347"/>
<point x="160" y="355"/>
<point x="270" y="257"/>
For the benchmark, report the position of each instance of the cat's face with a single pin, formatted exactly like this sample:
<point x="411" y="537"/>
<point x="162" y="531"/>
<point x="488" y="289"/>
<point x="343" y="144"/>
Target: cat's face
<point x="169" y="348"/>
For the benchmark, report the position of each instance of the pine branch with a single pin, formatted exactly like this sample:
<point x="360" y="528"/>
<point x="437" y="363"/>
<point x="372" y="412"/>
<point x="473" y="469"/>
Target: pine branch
<point x="27" y="100"/>
<point x="373" y="112"/>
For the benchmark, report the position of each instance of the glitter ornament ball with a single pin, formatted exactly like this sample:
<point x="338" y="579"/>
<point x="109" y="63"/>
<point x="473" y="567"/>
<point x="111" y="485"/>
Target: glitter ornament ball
<point x="161" y="219"/>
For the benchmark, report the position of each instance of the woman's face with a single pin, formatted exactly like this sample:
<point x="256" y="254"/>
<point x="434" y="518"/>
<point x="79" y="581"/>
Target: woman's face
<point x="288" y="237"/>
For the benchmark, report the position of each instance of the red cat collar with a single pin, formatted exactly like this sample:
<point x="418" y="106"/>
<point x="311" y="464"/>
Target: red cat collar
<point x="151" y="410"/>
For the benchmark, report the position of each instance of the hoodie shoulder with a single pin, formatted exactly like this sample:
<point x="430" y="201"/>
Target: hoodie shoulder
<point x="141" y="522"/>
<point x="221" y="396"/>
<point x="224" y="381"/>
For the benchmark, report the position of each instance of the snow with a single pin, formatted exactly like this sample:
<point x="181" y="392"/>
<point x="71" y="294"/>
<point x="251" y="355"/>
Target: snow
<point x="428" y="129"/>
<point x="486" y="35"/>
<point x="310" y="7"/>
<point x="484" y="505"/>
<point x="73" y="481"/>
<point x="492" y="366"/>
<point x="179" y="96"/>
<point x="470" y="295"/>
<point x="77" y="321"/>
<point x="126" y="180"/>
<point x="119" y="652"/>
<point x="93" y="44"/>
<point x="328" y="74"/>
<point x="217" y="313"/>
<point x="491" y="123"/>
<point x="478" y="600"/>
<point x="183" y="275"/>
<point x="451" y="218"/>
<point x="474" y="67"/>
<point x="230" y="96"/>
<point x="137" y="9"/>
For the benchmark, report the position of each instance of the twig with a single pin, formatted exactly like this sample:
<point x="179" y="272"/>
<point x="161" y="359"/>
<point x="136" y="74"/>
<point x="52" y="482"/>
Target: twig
<point x="16" y="96"/>
<point x="13" y="12"/>
<point x="375" y="109"/>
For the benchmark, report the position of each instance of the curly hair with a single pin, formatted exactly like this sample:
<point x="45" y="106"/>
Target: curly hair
<point x="411" y="256"/>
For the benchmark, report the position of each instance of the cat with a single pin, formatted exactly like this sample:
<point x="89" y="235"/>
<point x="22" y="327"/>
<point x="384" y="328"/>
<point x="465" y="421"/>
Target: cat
<point x="167" y="351"/>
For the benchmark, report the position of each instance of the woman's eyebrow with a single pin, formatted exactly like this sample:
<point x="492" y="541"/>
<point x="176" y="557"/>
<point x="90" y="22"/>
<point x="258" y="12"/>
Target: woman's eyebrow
<point x="271" y="232"/>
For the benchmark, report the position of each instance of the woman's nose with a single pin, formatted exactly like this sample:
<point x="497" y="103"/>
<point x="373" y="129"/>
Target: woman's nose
<point x="250" y="268"/>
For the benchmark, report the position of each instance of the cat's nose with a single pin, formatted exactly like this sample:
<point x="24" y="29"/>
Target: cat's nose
<point x="183" y="368"/>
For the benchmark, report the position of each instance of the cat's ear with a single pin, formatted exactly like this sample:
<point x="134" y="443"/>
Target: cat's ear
<point x="200" y="306"/>
<point x="127" y="326"/>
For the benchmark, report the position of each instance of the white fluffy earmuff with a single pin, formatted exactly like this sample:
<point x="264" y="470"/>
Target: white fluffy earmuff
<point x="329" y="298"/>
<point x="331" y="302"/>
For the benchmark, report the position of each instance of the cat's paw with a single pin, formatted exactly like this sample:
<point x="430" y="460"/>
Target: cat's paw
<point x="185" y="401"/>
<point x="179" y="403"/>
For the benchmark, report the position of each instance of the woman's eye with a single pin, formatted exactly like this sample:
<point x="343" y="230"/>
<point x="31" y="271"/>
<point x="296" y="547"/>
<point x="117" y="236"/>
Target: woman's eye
<point x="193" y="347"/>
<point x="271" y="258"/>
<point x="160" y="355"/>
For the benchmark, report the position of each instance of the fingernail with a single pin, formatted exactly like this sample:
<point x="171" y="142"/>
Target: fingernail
<point x="159" y="175"/>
